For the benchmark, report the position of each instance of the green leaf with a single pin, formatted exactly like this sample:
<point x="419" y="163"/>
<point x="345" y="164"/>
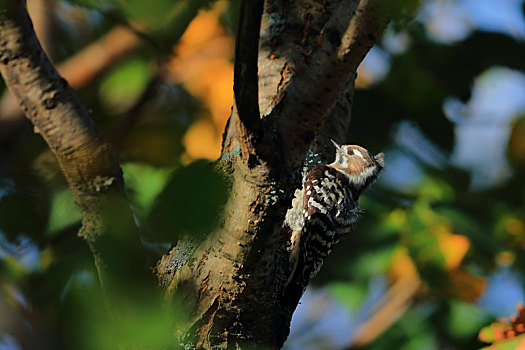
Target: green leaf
<point x="152" y="14"/>
<point x="190" y="203"/>
<point x="372" y="263"/>
<point x="64" y="212"/>
<point x="465" y="319"/>
<point x="434" y="190"/>
<point x="143" y="183"/>
<point x="352" y="294"/>
<point x="124" y="84"/>
<point x="516" y="343"/>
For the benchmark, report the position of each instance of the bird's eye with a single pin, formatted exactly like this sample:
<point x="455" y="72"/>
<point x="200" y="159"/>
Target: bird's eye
<point x="350" y="152"/>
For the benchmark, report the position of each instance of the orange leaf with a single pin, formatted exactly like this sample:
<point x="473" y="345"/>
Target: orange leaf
<point x="402" y="265"/>
<point x="453" y="247"/>
<point x="465" y="286"/>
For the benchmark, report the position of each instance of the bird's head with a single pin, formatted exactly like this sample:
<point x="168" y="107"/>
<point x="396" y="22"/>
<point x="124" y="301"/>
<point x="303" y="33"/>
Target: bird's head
<point x="357" y="162"/>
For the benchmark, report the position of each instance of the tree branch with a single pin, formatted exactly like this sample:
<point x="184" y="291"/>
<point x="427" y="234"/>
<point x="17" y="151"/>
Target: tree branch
<point x="245" y="84"/>
<point x="94" y="59"/>
<point x="86" y="65"/>
<point x="88" y="163"/>
<point x="245" y="70"/>
<point x="41" y="13"/>
<point x="368" y="23"/>
<point x="302" y="105"/>
<point x="233" y="281"/>
<point x="397" y="300"/>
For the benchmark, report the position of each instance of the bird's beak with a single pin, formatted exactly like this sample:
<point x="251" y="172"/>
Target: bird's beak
<point x="380" y="159"/>
<point x="335" y="144"/>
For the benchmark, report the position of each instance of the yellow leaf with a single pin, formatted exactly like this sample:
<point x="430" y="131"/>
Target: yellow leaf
<point x="453" y="247"/>
<point x="201" y="140"/>
<point x="203" y="63"/>
<point x="402" y="265"/>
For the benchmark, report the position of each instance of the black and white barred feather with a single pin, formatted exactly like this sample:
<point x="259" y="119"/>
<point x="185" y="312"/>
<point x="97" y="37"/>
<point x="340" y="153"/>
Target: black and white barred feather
<point x="326" y="208"/>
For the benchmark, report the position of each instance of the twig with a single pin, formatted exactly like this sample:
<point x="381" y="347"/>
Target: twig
<point x="397" y="300"/>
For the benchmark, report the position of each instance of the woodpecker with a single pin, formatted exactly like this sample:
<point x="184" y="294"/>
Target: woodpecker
<point x="326" y="208"/>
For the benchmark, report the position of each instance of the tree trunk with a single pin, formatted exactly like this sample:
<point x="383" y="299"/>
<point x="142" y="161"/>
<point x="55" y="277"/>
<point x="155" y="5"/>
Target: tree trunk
<point x="293" y="92"/>
<point x="295" y="65"/>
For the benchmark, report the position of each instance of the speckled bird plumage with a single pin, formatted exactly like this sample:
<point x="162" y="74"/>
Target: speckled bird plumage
<point x="326" y="208"/>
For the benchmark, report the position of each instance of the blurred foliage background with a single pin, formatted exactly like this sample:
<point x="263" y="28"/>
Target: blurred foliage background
<point x="439" y="251"/>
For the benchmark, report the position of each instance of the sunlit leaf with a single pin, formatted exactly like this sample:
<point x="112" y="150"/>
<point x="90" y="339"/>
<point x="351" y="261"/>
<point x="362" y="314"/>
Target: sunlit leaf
<point x="402" y="265"/>
<point x="201" y="140"/>
<point x="453" y="247"/>
<point x="124" y="84"/>
<point x="465" y="319"/>
<point x="436" y="190"/>
<point x="517" y="343"/>
<point x="397" y="218"/>
<point x="506" y="334"/>
<point x="144" y="183"/>
<point x="204" y="65"/>
<point x="64" y="212"/>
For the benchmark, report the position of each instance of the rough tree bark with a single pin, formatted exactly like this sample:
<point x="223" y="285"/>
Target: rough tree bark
<point x="296" y="61"/>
